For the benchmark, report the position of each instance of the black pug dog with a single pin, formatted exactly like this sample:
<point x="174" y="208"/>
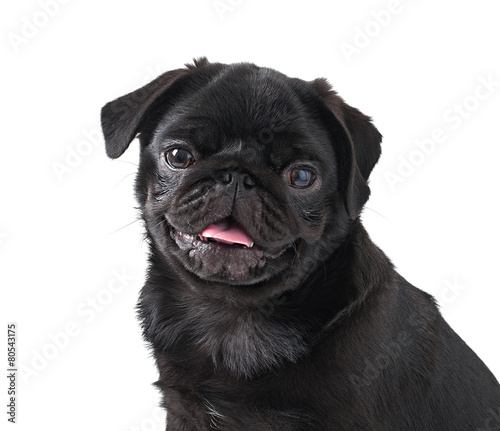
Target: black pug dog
<point x="267" y="305"/>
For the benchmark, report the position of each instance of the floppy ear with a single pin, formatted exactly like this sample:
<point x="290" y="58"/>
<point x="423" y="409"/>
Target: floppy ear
<point x="357" y="145"/>
<point x="122" y="118"/>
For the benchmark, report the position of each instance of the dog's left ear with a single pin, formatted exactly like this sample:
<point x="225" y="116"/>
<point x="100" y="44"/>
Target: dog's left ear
<point x="122" y="118"/>
<point x="357" y="145"/>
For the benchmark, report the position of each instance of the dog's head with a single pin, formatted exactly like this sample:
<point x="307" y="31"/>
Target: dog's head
<point x="247" y="177"/>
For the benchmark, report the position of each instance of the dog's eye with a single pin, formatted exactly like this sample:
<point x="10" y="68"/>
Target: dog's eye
<point x="179" y="158"/>
<point x="300" y="178"/>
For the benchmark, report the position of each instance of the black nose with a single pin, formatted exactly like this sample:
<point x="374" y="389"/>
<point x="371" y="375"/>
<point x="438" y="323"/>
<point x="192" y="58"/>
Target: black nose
<point x="224" y="177"/>
<point x="248" y="181"/>
<point x="227" y="177"/>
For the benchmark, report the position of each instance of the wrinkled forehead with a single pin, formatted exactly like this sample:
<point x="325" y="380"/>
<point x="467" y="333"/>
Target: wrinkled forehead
<point x="245" y="104"/>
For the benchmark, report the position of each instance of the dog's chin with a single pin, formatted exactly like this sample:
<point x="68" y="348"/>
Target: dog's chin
<point x="233" y="264"/>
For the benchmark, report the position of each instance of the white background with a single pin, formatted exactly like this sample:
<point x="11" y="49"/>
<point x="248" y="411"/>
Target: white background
<point x="69" y="239"/>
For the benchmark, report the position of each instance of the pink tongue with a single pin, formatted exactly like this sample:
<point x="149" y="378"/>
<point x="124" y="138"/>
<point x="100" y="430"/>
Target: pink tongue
<point x="227" y="233"/>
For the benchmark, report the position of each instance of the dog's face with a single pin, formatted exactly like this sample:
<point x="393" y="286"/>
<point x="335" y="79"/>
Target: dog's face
<point x="247" y="177"/>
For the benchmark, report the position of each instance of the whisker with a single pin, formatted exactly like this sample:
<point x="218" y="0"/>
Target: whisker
<point x="123" y="227"/>
<point x="126" y="161"/>
<point x="160" y="218"/>
<point x="293" y="261"/>
<point x="124" y="178"/>
<point x="372" y="210"/>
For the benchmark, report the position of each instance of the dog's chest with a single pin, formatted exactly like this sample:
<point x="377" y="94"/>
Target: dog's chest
<point x="209" y="412"/>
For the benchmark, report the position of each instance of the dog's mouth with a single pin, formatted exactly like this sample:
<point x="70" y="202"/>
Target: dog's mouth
<point x="224" y="251"/>
<point x="226" y="232"/>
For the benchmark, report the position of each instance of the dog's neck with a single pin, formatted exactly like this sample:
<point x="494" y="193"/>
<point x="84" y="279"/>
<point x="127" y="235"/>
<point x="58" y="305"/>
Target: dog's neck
<point x="248" y="340"/>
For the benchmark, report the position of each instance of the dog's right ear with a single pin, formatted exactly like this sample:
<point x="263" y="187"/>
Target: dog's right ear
<point x="122" y="118"/>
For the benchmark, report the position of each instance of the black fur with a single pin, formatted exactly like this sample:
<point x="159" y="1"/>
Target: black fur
<point x="312" y="328"/>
